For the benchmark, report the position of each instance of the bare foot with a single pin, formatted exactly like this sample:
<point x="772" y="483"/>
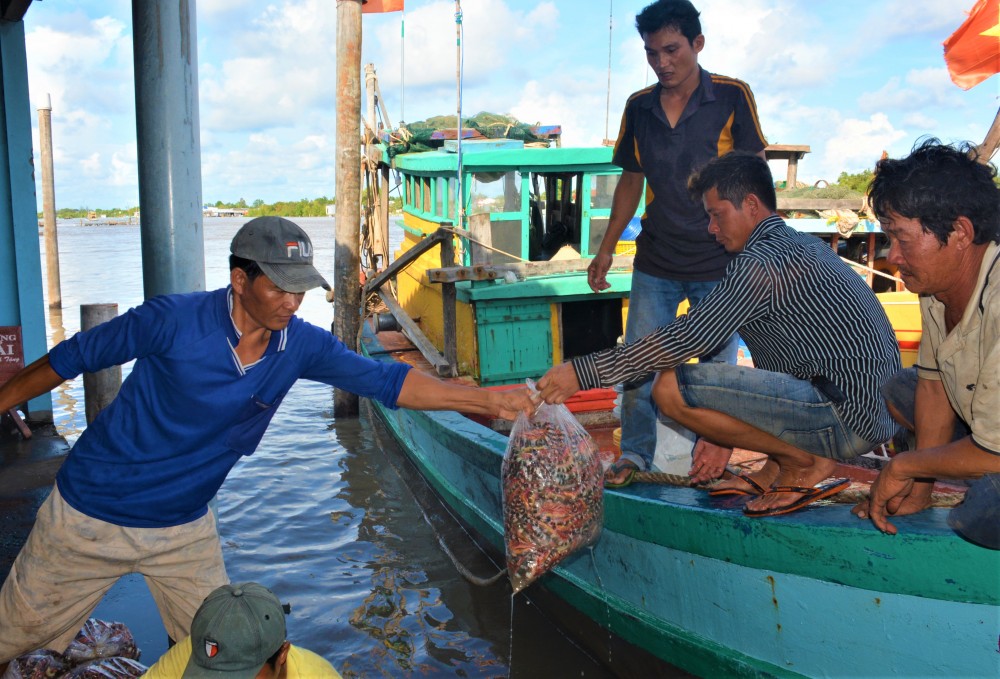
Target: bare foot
<point x="620" y="474"/>
<point x="805" y="477"/>
<point x="765" y="477"/>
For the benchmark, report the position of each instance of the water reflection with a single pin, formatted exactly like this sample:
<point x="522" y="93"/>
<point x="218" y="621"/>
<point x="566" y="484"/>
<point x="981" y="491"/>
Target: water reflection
<point x="64" y="401"/>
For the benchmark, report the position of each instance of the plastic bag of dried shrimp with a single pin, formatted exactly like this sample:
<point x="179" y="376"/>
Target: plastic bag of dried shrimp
<point x="99" y="639"/>
<point x="41" y="664"/>
<point x="108" y="668"/>
<point x="553" y="500"/>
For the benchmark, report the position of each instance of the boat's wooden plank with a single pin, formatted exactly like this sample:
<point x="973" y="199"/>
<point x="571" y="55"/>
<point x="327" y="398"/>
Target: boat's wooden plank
<point x="416" y="335"/>
<point x="454" y="274"/>
<point x="820" y="203"/>
<point x="405" y="260"/>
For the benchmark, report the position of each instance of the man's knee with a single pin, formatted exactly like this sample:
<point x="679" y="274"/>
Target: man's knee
<point x="667" y="395"/>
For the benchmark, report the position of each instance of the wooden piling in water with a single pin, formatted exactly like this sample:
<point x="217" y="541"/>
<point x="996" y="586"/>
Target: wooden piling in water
<point x="49" y="204"/>
<point x="100" y="388"/>
<point x="347" y="258"/>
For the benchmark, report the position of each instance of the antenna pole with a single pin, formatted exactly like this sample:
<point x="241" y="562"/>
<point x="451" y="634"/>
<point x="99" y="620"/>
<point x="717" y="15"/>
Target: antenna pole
<point x="460" y="192"/>
<point x="607" y="108"/>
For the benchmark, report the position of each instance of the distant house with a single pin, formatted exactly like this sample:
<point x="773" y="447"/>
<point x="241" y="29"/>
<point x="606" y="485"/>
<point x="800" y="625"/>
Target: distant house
<point x="212" y="211"/>
<point x="331" y="210"/>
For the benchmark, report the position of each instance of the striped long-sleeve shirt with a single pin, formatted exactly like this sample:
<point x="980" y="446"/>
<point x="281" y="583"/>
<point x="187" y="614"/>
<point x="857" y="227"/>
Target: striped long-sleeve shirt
<point x="801" y="311"/>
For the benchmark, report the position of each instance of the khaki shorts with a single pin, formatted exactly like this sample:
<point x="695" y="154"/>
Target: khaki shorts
<point x="71" y="560"/>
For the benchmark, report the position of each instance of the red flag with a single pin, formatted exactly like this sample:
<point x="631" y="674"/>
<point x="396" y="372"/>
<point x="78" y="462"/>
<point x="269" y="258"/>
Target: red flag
<point x="377" y="6"/>
<point x="973" y="51"/>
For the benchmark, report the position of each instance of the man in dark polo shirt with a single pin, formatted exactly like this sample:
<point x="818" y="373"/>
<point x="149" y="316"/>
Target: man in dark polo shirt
<point x="668" y="130"/>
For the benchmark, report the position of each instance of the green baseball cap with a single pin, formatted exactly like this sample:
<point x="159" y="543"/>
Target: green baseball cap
<point x="282" y="250"/>
<point x="236" y="629"/>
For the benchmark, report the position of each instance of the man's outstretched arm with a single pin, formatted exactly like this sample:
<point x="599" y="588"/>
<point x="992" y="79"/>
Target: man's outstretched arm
<point x="34" y="380"/>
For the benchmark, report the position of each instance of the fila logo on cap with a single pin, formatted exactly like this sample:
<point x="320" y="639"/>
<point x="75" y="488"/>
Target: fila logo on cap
<point x="211" y="648"/>
<point x="304" y="248"/>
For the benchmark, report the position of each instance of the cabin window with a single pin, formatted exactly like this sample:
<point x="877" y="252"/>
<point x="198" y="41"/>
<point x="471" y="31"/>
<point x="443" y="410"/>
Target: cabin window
<point x="452" y="199"/>
<point x="441" y="197"/>
<point x="496" y="192"/>
<point x="499" y="194"/>
<point x="602" y="191"/>
<point x="590" y="325"/>
<point x="561" y="219"/>
<point x="427" y="205"/>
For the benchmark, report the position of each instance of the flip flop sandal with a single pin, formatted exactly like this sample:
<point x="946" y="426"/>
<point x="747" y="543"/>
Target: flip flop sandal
<point x="755" y="489"/>
<point x="617" y="467"/>
<point x="821" y="490"/>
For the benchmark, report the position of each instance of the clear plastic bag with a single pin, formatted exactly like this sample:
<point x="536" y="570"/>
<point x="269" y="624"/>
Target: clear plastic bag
<point x="42" y="664"/>
<point x="99" y="639"/>
<point x="553" y="501"/>
<point x="108" y="668"/>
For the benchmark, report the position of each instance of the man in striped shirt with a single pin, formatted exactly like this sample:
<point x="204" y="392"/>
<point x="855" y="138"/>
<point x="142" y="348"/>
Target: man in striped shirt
<point x="820" y="341"/>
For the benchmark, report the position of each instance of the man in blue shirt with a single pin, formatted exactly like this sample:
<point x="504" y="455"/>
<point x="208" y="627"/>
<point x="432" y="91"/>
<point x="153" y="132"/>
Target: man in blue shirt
<point x="669" y="130"/>
<point x="211" y="369"/>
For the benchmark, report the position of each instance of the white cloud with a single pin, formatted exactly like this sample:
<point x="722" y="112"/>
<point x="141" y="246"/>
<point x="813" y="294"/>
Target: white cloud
<point x="856" y="144"/>
<point x="909" y="18"/>
<point x="848" y="78"/>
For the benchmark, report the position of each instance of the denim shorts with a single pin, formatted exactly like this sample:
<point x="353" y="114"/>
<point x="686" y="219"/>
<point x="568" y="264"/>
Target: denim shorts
<point x="788" y="408"/>
<point x="899" y="392"/>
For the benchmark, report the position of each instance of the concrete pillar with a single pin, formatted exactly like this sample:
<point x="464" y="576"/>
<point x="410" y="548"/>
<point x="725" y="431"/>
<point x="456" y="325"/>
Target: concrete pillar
<point x="100" y="388"/>
<point x="169" y="147"/>
<point x="21" y="301"/>
<point x="49" y="204"/>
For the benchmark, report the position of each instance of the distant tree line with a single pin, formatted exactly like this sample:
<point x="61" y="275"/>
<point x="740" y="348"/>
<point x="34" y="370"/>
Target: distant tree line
<point x="306" y="207"/>
<point x="84" y="212"/>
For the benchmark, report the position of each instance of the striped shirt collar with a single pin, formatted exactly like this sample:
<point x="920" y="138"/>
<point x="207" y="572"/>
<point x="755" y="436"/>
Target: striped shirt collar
<point x="764" y="227"/>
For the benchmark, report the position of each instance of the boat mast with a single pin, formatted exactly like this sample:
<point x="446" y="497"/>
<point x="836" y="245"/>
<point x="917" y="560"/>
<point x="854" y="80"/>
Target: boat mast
<point x="607" y="107"/>
<point x="992" y="140"/>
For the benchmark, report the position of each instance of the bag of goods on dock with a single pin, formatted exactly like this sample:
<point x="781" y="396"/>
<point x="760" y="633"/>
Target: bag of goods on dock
<point x="553" y="501"/>
<point x="42" y="664"/>
<point x="101" y="650"/>
<point x="108" y="668"/>
<point x="99" y="639"/>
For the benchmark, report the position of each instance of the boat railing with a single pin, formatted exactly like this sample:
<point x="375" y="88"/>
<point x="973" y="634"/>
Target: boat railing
<point x="446" y="364"/>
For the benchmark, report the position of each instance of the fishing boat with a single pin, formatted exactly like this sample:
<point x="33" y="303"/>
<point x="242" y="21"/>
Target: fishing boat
<point x="678" y="577"/>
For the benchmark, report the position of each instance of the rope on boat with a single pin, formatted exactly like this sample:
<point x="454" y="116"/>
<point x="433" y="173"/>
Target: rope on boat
<point x="852" y="495"/>
<point x="465" y="572"/>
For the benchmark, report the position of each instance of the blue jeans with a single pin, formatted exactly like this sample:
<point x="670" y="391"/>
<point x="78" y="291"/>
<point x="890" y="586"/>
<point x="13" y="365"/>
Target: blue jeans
<point x="784" y="406"/>
<point x="900" y="391"/>
<point x="652" y="304"/>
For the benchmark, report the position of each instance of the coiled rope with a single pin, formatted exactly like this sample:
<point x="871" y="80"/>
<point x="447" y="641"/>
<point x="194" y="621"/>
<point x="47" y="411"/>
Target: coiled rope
<point x="852" y="495"/>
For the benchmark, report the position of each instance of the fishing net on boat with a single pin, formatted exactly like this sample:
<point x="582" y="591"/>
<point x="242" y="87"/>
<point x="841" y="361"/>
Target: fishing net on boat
<point x="429" y="134"/>
<point x="552" y="492"/>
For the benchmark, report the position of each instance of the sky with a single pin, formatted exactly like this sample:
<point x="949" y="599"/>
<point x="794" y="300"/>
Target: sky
<point x="849" y="78"/>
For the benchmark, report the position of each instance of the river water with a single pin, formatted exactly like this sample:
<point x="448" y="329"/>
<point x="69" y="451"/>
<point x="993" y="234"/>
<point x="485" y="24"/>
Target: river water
<point x="327" y="513"/>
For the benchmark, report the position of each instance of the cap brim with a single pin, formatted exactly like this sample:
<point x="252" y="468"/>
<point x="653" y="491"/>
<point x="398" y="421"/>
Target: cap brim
<point x="196" y="671"/>
<point x="294" y="277"/>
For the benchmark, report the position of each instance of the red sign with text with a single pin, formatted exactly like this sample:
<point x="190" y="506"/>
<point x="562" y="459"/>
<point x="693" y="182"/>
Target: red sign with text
<point x="11" y="351"/>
